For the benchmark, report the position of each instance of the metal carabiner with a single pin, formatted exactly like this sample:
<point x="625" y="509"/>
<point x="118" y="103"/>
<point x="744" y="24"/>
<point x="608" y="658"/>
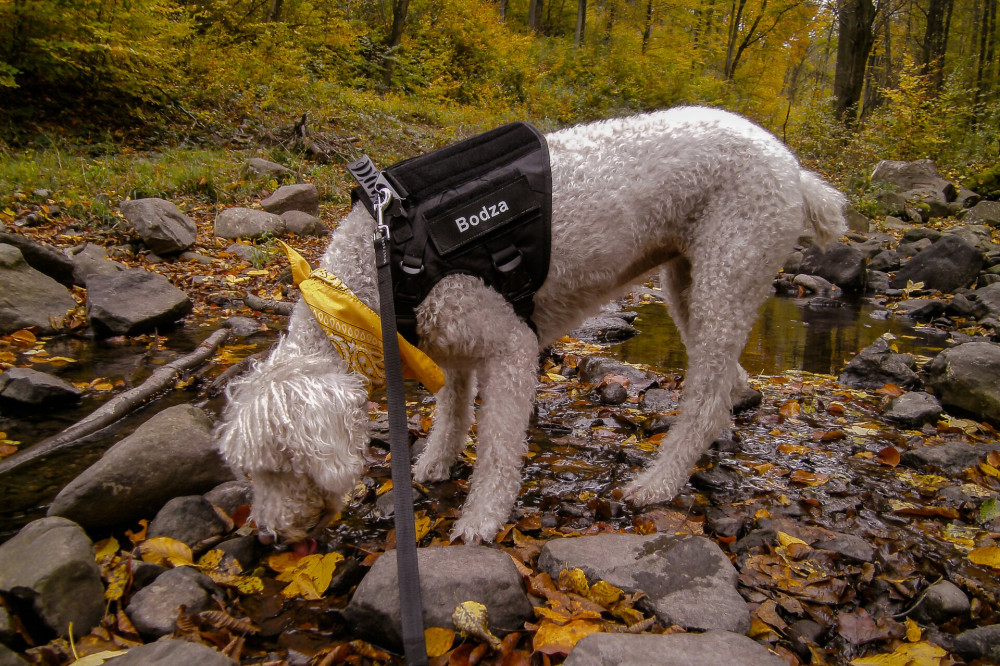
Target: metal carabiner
<point x="384" y="195"/>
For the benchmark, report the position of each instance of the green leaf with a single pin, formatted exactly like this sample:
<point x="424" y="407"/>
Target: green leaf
<point x="989" y="510"/>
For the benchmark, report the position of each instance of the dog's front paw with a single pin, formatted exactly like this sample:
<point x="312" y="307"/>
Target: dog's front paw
<point x="427" y="470"/>
<point x="650" y="488"/>
<point x="472" y="531"/>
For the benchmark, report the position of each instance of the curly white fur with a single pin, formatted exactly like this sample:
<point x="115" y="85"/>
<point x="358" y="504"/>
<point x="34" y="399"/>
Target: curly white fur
<point x="710" y="199"/>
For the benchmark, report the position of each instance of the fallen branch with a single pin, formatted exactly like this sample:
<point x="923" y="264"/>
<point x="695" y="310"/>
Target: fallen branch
<point x="119" y="406"/>
<point x="258" y="304"/>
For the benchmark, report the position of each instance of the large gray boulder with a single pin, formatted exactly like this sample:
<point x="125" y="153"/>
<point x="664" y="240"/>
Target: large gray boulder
<point x="29" y="298"/>
<point x="984" y="212"/>
<point x="966" y="377"/>
<point x="49" y="566"/>
<point x="910" y="176"/>
<point x="42" y="258"/>
<point x="302" y="196"/>
<point x="162" y="227"/>
<point x="947" y="265"/>
<point x="260" y="167"/>
<point x="133" y="301"/>
<point x="843" y="265"/>
<point x="154" y="609"/>
<point x="712" y="648"/>
<point x="687" y="580"/>
<point x="247" y="223"/>
<point x="92" y="260"/>
<point x="171" y="455"/>
<point x="448" y="577"/>
<point x="34" y="388"/>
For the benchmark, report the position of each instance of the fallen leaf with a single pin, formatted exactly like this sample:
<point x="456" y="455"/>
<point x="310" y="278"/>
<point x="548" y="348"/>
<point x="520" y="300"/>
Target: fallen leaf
<point x="164" y="550"/>
<point x="809" y="478"/>
<point x="888" y="456"/>
<point x="471" y="618"/>
<point x="987" y="556"/>
<point x="913" y="631"/>
<point x="552" y="638"/>
<point x="310" y="577"/>
<point x="438" y="640"/>
<point x="906" y="654"/>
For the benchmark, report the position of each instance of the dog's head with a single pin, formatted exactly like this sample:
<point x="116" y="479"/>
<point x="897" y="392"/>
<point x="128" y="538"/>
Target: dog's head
<point x="297" y="426"/>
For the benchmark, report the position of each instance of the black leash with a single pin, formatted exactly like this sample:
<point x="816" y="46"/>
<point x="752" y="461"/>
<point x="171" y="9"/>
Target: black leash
<point x="410" y="606"/>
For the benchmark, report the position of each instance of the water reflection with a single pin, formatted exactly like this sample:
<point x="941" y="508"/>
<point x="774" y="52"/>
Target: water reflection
<point x="789" y="335"/>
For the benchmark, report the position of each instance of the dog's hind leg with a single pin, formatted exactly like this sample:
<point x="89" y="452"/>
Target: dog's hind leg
<point x="508" y="379"/>
<point x="456" y="409"/>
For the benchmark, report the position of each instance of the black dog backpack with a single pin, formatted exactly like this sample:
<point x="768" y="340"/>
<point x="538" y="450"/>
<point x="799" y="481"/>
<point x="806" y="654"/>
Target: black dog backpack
<point x="482" y="207"/>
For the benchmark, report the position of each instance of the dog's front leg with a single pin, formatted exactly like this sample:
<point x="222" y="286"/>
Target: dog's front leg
<point x="508" y="379"/>
<point x="456" y="410"/>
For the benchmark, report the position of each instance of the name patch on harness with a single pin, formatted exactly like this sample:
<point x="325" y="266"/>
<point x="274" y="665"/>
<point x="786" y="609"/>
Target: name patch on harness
<point x="467" y="222"/>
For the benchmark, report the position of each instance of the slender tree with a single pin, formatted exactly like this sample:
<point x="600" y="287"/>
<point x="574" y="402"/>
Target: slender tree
<point x="581" y="23"/>
<point x="854" y="45"/>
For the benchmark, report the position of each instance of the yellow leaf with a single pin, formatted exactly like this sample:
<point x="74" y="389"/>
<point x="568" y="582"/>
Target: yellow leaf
<point x="422" y="525"/>
<point x="256" y="272"/>
<point x="987" y="556"/>
<point x="913" y="631"/>
<point x="310" y="577"/>
<point x="105" y="549"/>
<point x="164" y="550"/>
<point x="98" y="658"/>
<point x="384" y="488"/>
<point x="23" y="336"/>
<point x="787" y="539"/>
<point x="438" y="641"/>
<point x="118" y="579"/>
<point x="989" y="470"/>
<point x="472" y="619"/>
<point x="552" y="638"/>
<point x="574" y="580"/>
<point x="605" y="594"/>
<point x="907" y="654"/>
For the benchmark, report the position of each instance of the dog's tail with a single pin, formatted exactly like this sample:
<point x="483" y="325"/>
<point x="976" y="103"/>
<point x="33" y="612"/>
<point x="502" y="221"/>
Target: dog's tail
<point x="823" y="207"/>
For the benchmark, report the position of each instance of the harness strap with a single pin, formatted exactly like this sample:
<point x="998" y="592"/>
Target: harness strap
<point x="410" y="606"/>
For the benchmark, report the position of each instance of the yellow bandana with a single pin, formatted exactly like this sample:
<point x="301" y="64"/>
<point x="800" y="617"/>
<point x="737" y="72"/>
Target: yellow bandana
<point x="354" y="329"/>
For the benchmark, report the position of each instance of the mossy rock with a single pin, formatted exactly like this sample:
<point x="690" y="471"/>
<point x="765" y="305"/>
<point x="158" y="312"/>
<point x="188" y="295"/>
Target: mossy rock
<point x="986" y="183"/>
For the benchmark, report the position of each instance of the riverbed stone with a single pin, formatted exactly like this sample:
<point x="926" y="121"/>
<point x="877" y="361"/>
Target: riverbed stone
<point x="171" y="455"/>
<point x="34" y="388"/>
<point x="843" y="265"/>
<point x="448" y="577"/>
<point x="593" y="369"/>
<point x="163" y="228"/>
<point x="943" y="601"/>
<point x="659" y="400"/>
<point x="258" y="166"/>
<point x="711" y="647"/>
<point x="923" y="309"/>
<point x="687" y="580"/>
<point x="154" y="609"/>
<point x="915" y="175"/>
<point x="984" y="212"/>
<point x="170" y="652"/>
<point x="301" y="223"/>
<point x="133" y="301"/>
<point x="10" y="658"/>
<point x="604" y="328"/>
<point x="301" y="196"/>
<point x="877" y="365"/>
<point x="43" y="258"/>
<point x="966" y="377"/>
<point x="979" y="643"/>
<point x="231" y="495"/>
<point x="947" y="265"/>
<point x="190" y="519"/>
<point x="913" y="409"/>
<point x="950" y="458"/>
<point x="239" y="222"/>
<point x="29" y="298"/>
<point x="92" y="259"/>
<point x="49" y="565"/>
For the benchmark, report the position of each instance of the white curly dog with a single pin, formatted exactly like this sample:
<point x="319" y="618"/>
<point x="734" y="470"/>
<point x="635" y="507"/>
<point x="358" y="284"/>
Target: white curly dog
<point x="712" y="200"/>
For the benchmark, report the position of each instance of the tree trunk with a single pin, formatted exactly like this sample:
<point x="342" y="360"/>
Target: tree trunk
<point x="535" y="15"/>
<point x="399" y="9"/>
<point x="581" y="23"/>
<point x="647" y="30"/>
<point x="855" y="44"/>
<point x="503" y="11"/>
<point x="609" y="23"/>
<point x="935" y="41"/>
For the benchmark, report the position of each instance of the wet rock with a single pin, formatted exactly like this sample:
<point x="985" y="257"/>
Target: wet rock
<point x="979" y="643"/>
<point x="850" y="546"/>
<point x="448" y="576"/>
<point x="966" y="377"/>
<point x="962" y="306"/>
<point x="241" y="250"/>
<point x="984" y="212"/>
<point x="190" y="519"/>
<point x="841" y="264"/>
<point x="29" y="298"/>
<point x="245" y="551"/>
<point x="302" y="197"/>
<point x="593" y="369"/>
<point x="923" y="309"/>
<point x="950" y="458"/>
<point x="713" y="647"/>
<point x="239" y="222"/>
<point x="658" y="400"/>
<point x="301" y="223"/>
<point x="231" y="495"/>
<point x="914" y="409"/>
<point x="612" y="393"/>
<point x="133" y="301"/>
<point x="943" y="601"/>
<point x="163" y="228"/>
<point x="813" y="284"/>
<point x="10" y="658"/>
<point x="878" y="282"/>
<point x="92" y="260"/>
<point x="49" y="566"/>
<point x="603" y="328"/>
<point x="170" y="652"/>
<point x="44" y="259"/>
<point x="762" y="536"/>
<point x="886" y="260"/>
<point x="258" y="166"/>
<point x="947" y="265"/>
<point x="170" y="455"/>
<point x="747" y="398"/>
<point x="154" y="609"/>
<point x="34" y="388"/>
<point x="877" y="365"/>
<point x="907" y="250"/>
<point x="989" y="298"/>
<point x="688" y="580"/>
<point x="242" y="327"/>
